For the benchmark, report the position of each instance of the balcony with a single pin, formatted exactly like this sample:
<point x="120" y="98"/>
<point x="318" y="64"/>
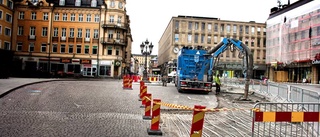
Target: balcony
<point x="114" y="25"/>
<point x="32" y="37"/>
<point x="79" y="39"/>
<point x="87" y="40"/>
<point x="95" y="40"/>
<point x="111" y="41"/>
<point x="63" y="39"/>
<point x="70" y="39"/>
<point x="55" y="39"/>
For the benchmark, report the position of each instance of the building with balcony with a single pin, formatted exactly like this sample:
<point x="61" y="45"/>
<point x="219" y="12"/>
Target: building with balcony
<point x="6" y="15"/>
<point x="68" y="37"/>
<point x="293" y="42"/>
<point x="193" y="31"/>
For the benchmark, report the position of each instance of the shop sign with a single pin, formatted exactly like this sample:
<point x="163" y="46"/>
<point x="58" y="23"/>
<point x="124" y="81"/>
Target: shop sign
<point x="65" y="60"/>
<point x="117" y="63"/>
<point x="316" y="59"/>
<point x="85" y="61"/>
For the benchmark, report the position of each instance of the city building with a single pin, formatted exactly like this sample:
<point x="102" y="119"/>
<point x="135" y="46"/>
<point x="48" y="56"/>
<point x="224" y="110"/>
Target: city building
<point x="72" y="37"/>
<point x="6" y="15"/>
<point x="193" y="31"/>
<point x="293" y="42"/>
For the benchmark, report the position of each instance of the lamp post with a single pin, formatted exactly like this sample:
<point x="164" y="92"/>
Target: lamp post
<point x="144" y="51"/>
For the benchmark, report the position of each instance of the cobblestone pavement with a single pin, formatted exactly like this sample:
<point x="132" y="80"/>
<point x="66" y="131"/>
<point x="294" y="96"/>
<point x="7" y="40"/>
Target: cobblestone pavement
<point x="72" y="108"/>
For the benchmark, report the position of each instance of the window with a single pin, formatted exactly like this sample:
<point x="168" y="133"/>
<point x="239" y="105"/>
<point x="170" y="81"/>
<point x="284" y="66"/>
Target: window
<point x="94" y="50"/>
<point x="252" y="30"/>
<point x="209" y="40"/>
<point x="55" y="32"/>
<point x="78" y="3"/>
<point x="10" y="4"/>
<point x="56" y="16"/>
<point x="54" y="48"/>
<point x="0" y="29"/>
<point x="258" y="42"/>
<point x="215" y="39"/>
<point x="8" y="18"/>
<point x="109" y="50"/>
<point x="93" y="3"/>
<point x="190" y="25"/>
<point x="20" y="30"/>
<point x="78" y="48"/>
<point x="247" y="29"/>
<point x="70" y="48"/>
<point x="117" y="51"/>
<point x="189" y="38"/>
<point x="62" y="2"/>
<point x="241" y="29"/>
<point x="64" y="32"/>
<point x="234" y="29"/>
<point x="209" y="27"/>
<point x="79" y="33"/>
<point x="71" y="35"/>
<point x="96" y="18"/>
<point x="216" y="27"/>
<point x="0" y="14"/>
<point x="202" y="38"/>
<point x="303" y="34"/>
<point x="318" y="31"/>
<point x="21" y="15"/>
<point x="19" y="46"/>
<point x="252" y="42"/>
<point x="33" y="15"/>
<point x="64" y="16"/>
<point x="118" y="35"/>
<point x="43" y="47"/>
<point x="120" y="5"/>
<point x="196" y="37"/>
<point x="7" y="31"/>
<point x="80" y="17"/>
<point x="32" y="31"/>
<point x="86" y="49"/>
<point x="112" y="3"/>
<point x="119" y="19"/>
<point x="62" y="48"/>
<point x="73" y="17"/>
<point x="44" y="31"/>
<point x="196" y="25"/>
<point x="111" y="20"/>
<point x="228" y="28"/>
<point x="176" y="37"/>
<point x="222" y="28"/>
<point x="203" y="26"/>
<point x="87" y="33"/>
<point x="110" y="34"/>
<point x="7" y="45"/>
<point x="31" y="47"/>
<point x="45" y="16"/>
<point x="95" y="33"/>
<point x="88" y="17"/>
<point x="177" y="25"/>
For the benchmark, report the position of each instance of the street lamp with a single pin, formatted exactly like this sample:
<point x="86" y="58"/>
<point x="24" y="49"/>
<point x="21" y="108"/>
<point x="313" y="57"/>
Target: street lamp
<point x="144" y="51"/>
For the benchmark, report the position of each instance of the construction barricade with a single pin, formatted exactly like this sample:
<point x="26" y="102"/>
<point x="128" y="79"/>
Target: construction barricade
<point x="127" y="82"/>
<point x="141" y="90"/>
<point x="142" y="96"/>
<point x="155" y="121"/>
<point x="147" y="113"/>
<point x="286" y="119"/>
<point x="197" y="121"/>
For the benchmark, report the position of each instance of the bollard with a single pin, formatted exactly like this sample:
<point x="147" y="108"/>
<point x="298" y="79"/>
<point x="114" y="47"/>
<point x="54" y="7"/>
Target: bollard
<point x="130" y="83"/>
<point x="144" y="92"/>
<point x="155" y="121"/>
<point x="141" y="89"/>
<point x="197" y="121"/>
<point x="125" y="82"/>
<point x="147" y="110"/>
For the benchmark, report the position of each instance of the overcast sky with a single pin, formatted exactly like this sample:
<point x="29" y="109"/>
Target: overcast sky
<point x="149" y="18"/>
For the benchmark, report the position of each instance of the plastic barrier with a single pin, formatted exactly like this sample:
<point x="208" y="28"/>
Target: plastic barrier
<point x="141" y="90"/>
<point x="155" y="121"/>
<point x="147" y="110"/>
<point x="144" y="93"/>
<point x="197" y="121"/>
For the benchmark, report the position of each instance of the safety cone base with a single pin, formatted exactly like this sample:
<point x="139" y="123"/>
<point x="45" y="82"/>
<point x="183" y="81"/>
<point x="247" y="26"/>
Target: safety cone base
<point x="147" y="117"/>
<point x="154" y="132"/>
<point x="140" y="99"/>
<point x="142" y="106"/>
<point x="127" y="88"/>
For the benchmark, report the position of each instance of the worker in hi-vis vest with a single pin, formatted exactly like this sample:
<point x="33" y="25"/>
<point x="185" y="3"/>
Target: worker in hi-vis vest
<point x="218" y="84"/>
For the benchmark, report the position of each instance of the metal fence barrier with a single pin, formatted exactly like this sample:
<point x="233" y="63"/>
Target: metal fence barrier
<point x="286" y="119"/>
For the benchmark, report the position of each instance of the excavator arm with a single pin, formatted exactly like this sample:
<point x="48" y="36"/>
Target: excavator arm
<point x="244" y="53"/>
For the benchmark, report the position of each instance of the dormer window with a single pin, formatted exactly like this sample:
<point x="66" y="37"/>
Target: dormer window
<point x="93" y="3"/>
<point x="62" y="2"/>
<point x="78" y="3"/>
<point x="112" y="4"/>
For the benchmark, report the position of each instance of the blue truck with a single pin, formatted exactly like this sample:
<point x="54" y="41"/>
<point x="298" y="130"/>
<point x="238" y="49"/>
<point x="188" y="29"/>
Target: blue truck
<point x="196" y="66"/>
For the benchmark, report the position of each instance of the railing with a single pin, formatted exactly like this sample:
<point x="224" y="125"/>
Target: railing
<point x="276" y="91"/>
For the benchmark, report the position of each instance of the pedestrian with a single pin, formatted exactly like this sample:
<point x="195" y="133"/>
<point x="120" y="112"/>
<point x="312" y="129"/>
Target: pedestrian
<point x="218" y="84"/>
<point x="164" y="80"/>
